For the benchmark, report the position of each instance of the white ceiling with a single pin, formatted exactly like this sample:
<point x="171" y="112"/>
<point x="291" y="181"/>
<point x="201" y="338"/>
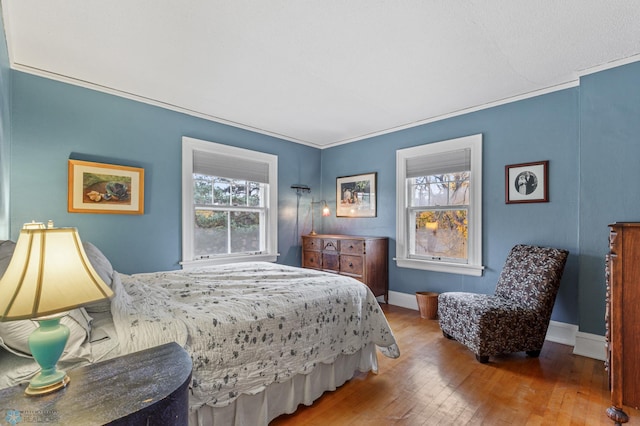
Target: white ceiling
<point x="321" y="72"/>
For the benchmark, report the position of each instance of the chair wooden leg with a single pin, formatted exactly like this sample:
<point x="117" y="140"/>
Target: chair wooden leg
<point x="482" y="359"/>
<point x="533" y="354"/>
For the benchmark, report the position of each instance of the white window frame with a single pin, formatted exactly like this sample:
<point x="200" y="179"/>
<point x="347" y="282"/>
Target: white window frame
<point x="474" y="265"/>
<point x="270" y="254"/>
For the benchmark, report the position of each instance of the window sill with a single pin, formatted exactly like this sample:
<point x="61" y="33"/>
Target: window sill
<point x="191" y="264"/>
<point x="452" y="268"/>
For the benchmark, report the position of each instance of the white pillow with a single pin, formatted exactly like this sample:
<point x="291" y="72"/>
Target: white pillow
<point x="14" y="336"/>
<point x="103" y="267"/>
<point x="6" y="252"/>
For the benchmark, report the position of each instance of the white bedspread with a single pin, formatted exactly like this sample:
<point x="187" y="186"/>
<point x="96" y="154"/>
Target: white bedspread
<point x="248" y="325"/>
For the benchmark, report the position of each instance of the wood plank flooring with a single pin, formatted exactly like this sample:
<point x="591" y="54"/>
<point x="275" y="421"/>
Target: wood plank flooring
<point x="439" y="382"/>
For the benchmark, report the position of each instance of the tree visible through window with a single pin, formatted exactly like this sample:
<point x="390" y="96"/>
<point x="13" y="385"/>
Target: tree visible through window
<point x="439" y="209"/>
<point x="228" y="213"/>
<point x="439" y="206"/>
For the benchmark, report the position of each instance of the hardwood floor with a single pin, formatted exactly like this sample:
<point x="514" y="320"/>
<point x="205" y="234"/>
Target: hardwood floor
<point x="439" y="382"/>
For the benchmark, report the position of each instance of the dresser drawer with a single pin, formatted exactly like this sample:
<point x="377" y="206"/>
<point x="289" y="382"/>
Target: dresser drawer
<point x="330" y="261"/>
<point x="311" y="243"/>
<point x="351" y="265"/>
<point x="312" y="259"/>
<point x="330" y="244"/>
<point x="351" y="246"/>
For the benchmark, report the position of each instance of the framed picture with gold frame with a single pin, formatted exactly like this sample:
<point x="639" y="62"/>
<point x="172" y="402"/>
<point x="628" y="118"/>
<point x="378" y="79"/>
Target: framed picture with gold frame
<point x="105" y="188"/>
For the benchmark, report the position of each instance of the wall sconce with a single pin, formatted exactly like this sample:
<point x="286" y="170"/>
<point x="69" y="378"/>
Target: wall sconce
<point x="325" y="212"/>
<point x="49" y="274"/>
<point x="300" y="188"/>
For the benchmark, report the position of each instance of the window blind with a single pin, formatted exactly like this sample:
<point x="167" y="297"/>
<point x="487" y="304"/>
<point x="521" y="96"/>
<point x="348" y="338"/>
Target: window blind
<point x="439" y="163"/>
<point x="229" y="166"/>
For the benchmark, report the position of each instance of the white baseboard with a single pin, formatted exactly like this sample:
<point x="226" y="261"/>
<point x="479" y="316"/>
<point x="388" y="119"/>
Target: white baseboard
<point x="404" y="300"/>
<point x="561" y="332"/>
<point x="584" y="344"/>
<point x="590" y="345"/>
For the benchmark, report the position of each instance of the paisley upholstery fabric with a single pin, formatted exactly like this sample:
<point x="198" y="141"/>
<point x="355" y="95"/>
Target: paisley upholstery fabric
<point x="517" y="316"/>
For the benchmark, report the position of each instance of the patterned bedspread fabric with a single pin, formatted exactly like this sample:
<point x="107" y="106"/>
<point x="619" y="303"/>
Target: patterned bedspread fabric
<point x="248" y="325"/>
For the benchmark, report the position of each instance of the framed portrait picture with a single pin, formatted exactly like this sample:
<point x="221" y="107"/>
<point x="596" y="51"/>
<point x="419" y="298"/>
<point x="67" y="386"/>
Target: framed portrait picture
<point x="527" y="182"/>
<point x="356" y="196"/>
<point x="105" y="188"/>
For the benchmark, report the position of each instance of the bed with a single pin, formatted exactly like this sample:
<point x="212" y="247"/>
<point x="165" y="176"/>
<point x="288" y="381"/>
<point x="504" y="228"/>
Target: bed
<point x="263" y="337"/>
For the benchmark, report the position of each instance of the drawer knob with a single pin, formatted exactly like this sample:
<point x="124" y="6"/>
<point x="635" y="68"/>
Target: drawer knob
<point x="350" y="265"/>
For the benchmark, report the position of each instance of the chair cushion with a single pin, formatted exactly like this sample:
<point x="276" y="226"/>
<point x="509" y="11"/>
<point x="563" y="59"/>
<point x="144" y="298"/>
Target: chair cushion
<point x="531" y="276"/>
<point x="490" y="325"/>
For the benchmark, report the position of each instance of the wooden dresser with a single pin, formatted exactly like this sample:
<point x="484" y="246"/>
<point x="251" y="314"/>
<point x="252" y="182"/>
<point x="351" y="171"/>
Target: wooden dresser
<point x="363" y="258"/>
<point x="622" y="318"/>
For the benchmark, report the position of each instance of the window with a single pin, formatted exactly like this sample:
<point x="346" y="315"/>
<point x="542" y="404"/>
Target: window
<point x="439" y="206"/>
<point x="229" y="204"/>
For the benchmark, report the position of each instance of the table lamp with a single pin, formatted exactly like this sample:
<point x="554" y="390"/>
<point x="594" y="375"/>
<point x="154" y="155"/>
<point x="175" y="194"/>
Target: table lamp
<point x="325" y="212"/>
<point x="48" y="275"/>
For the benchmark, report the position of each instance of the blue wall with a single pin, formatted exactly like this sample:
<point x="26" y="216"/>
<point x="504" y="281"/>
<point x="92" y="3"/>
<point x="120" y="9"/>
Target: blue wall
<point x="53" y="121"/>
<point x="609" y="172"/>
<point x="536" y="129"/>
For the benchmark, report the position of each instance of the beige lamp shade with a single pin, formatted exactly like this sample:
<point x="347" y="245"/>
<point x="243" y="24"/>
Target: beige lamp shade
<point x="49" y="273"/>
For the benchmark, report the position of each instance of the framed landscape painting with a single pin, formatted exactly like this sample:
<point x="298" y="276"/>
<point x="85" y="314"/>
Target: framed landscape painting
<point x="105" y="188"/>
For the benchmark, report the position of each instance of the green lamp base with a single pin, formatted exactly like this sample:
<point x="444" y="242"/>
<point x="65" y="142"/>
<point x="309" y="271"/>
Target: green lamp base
<point x="32" y="390"/>
<point x="47" y="343"/>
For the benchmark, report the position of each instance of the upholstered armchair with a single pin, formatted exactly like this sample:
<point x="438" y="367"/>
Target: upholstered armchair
<point x="516" y="317"/>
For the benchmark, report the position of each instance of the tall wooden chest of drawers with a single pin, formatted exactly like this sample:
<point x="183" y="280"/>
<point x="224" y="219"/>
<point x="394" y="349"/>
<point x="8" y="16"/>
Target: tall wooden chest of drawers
<point x="363" y="258"/>
<point x="623" y="318"/>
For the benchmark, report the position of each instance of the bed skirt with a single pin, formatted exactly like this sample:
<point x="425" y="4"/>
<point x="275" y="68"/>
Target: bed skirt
<point x="284" y="398"/>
